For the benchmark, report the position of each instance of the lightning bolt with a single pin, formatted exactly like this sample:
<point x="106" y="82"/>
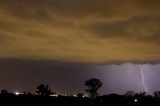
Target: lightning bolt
<point x="142" y="78"/>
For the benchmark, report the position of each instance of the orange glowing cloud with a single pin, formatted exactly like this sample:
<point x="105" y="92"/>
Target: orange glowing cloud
<point x="80" y="31"/>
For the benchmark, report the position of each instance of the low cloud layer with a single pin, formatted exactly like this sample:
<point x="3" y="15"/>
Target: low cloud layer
<point x="80" y="30"/>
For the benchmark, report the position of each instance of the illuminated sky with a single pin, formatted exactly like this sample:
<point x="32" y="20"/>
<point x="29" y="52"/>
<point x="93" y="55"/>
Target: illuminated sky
<point x="51" y="38"/>
<point x="69" y="78"/>
<point x="93" y="31"/>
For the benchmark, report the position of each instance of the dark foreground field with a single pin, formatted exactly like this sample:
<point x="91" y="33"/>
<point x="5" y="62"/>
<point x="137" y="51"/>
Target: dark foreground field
<point x="113" y="99"/>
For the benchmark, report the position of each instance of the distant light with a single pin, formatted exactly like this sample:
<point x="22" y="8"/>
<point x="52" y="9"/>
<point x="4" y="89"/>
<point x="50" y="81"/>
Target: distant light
<point x="86" y="96"/>
<point x="17" y="93"/>
<point x="75" y="95"/>
<point x="54" y="95"/>
<point x="83" y="96"/>
<point x="135" y="100"/>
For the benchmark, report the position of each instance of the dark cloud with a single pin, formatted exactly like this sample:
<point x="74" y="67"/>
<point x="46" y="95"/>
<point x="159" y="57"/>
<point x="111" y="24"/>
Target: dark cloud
<point x="108" y="9"/>
<point x="144" y="28"/>
<point x="81" y="30"/>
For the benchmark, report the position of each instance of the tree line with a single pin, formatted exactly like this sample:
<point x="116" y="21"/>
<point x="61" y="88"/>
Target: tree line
<point x="93" y="85"/>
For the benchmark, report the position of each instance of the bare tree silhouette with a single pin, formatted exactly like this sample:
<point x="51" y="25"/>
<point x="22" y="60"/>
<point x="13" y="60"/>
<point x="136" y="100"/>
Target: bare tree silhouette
<point x="93" y="85"/>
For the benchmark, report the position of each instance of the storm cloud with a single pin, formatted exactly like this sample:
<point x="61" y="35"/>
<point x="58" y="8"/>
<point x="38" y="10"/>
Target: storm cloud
<point x="87" y="31"/>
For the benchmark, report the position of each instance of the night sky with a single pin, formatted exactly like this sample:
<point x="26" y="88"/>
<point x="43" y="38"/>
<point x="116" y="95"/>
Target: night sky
<point x="65" y="42"/>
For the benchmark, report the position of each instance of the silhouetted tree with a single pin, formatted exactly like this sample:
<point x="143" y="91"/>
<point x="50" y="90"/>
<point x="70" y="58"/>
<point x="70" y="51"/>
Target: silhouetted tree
<point x="44" y="90"/>
<point x="157" y="94"/>
<point x="4" y="91"/>
<point x="93" y="85"/>
<point x="80" y="94"/>
<point x="129" y="93"/>
<point x="27" y="93"/>
<point x="142" y="94"/>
